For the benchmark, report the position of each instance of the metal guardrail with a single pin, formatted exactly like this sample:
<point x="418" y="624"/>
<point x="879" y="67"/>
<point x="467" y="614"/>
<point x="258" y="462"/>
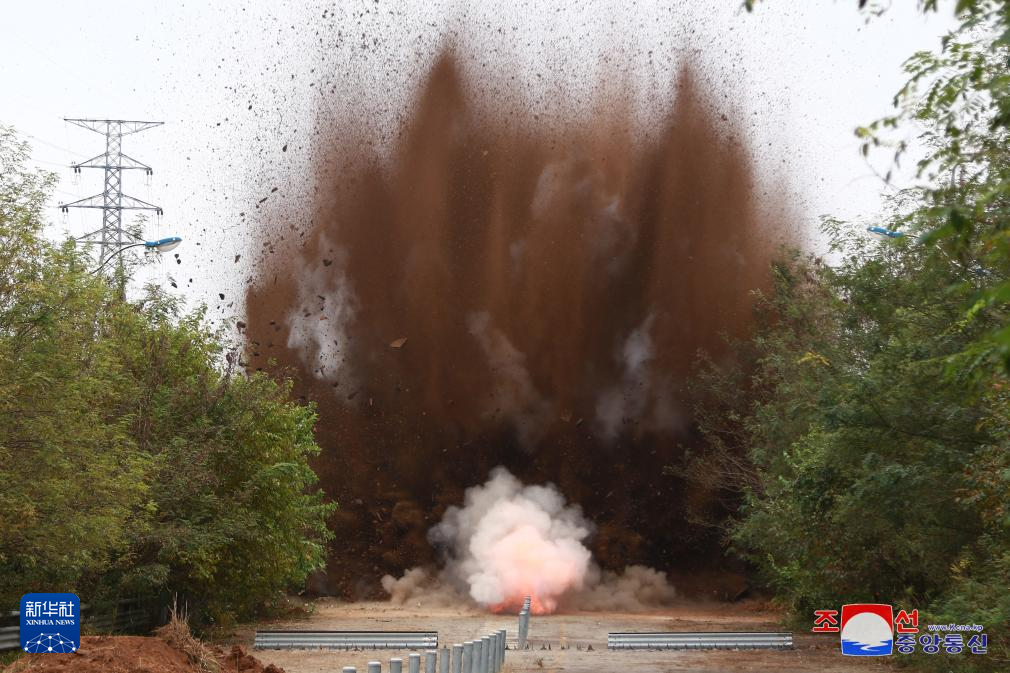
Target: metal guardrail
<point x="10" y="637"/>
<point x="128" y="615"/>
<point x="699" y="641"/>
<point x="346" y="640"/>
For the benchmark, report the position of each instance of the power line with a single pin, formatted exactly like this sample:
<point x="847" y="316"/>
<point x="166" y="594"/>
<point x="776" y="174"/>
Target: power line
<point x="53" y="145"/>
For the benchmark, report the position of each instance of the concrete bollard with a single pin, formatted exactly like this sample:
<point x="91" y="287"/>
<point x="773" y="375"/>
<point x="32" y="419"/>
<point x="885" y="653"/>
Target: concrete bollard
<point x="375" y="667"/>
<point x="457" y="659"/>
<point x="348" y="669"/>
<point x="414" y="662"/>
<point x="487" y="653"/>
<point x="443" y="660"/>
<point x="396" y="665"/>
<point x="430" y="657"/>
<point x="524" y="623"/>
<point x="478" y="656"/>
<point x="468" y="657"/>
<point x="504" y="646"/>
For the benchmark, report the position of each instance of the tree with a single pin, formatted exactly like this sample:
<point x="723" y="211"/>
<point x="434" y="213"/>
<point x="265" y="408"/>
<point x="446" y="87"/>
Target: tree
<point x="234" y="516"/>
<point x="71" y="476"/>
<point x="136" y="458"/>
<point x="878" y="392"/>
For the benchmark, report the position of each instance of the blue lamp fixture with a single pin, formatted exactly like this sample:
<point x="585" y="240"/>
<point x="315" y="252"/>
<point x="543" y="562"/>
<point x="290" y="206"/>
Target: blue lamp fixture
<point x="884" y="234"/>
<point x="163" y="244"/>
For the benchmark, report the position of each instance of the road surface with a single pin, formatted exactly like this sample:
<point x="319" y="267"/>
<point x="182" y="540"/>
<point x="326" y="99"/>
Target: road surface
<point x="575" y="632"/>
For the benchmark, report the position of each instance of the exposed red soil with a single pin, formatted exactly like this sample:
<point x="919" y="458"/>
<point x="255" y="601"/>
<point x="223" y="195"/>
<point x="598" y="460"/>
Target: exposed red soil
<point x="135" y="654"/>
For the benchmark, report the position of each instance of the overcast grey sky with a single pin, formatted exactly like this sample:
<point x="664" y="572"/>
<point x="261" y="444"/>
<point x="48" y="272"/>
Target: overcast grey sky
<point x="236" y="80"/>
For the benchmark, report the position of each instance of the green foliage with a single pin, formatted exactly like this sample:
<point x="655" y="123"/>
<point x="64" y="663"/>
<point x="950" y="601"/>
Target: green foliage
<point x="875" y="463"/>
<point x="960" y="98"/>
<point x="64" y="448"/>
<point x="135" y="459"/>
<point x="871" y="456"/>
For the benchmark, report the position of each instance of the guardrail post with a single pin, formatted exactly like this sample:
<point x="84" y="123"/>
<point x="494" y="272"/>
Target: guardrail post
<point x="468" y="657"/>
<point x="457" y="659"/>
<point x="478" y="656"/>
<point x="375" y="667"/>
<point x="486" y="654"/>
<point x="430" y="657"/>
<point x="414" y="662"/>
<point x="504" y="646"/>
<point x="396" y="665"/>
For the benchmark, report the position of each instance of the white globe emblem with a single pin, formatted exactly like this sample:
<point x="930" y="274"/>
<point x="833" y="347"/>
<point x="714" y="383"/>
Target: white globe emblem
<point x="49" y="642"/>
<point x="867" y="630"/>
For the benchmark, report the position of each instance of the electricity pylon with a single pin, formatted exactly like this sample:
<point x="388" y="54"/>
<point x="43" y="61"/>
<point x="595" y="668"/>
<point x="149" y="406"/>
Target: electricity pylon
<point x="112" y="201"/>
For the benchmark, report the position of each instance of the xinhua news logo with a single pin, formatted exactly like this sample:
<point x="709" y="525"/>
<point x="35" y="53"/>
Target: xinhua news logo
<point x="875" y="630"/>
<point x="50" y="623"/>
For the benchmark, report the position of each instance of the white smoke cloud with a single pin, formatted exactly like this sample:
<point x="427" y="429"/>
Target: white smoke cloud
<point x="635" y="589"/>
<point x="513" y="396"/>
<point x="627" y="400"/>
<point x="417" y="585"/>
<point x="641" y="396"/>
<point x="326" y="304"/>
<point x="509" y="540"/>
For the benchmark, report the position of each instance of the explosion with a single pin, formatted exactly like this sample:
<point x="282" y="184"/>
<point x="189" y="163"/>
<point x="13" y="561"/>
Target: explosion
<point x="509" y="541"/>
<point x="488" y="288"/>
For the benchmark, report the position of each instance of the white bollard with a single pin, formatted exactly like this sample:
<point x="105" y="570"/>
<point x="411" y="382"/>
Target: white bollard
<point x="487" y="653"/>
<point x="468" y="657"/>
<point x="504" y="646"/>
<point x="414" y="662"/>
<point x="396" y="665"/>
<point x="429" y="661"/>
<point x="457" y="659"/>
<point x="375" y="667"/>
<point x="478" y="656"/>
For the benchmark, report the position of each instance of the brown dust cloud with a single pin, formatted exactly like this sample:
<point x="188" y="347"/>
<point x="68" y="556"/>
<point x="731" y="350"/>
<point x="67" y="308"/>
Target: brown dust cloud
<point x="494" y="291"/>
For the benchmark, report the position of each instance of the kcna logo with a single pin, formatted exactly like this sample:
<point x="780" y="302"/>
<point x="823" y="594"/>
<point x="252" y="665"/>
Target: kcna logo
<point x="866" y="630"/>
<point x="50" y="623"/>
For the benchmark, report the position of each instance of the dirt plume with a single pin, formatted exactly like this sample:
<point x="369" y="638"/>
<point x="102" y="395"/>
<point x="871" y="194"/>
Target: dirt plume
<point x="500" y="291"/>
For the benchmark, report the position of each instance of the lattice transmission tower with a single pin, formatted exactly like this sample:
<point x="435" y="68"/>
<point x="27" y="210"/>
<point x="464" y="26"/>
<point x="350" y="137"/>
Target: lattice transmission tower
<point x="112" y="237"/>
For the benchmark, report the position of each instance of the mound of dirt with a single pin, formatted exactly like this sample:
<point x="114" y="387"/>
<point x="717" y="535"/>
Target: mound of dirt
<point x="137" y="654"/>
